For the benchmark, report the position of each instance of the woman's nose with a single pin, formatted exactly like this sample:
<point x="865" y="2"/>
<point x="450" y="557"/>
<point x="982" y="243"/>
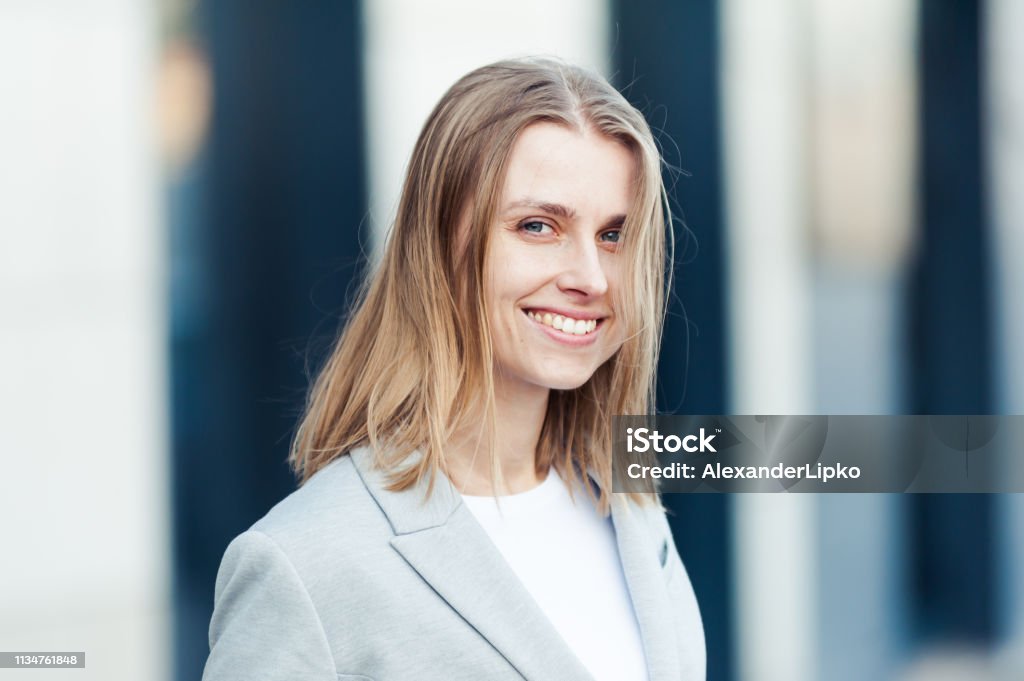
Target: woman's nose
<point x="583" y="271"/>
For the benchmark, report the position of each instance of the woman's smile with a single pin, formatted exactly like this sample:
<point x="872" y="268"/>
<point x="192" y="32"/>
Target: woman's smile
<point x="577" y="330"/>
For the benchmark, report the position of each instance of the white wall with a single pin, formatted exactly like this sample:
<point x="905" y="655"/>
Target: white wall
<point x="763" y="51"/>
<point x="83" y="472"/>
<point x="1004" y="120"/>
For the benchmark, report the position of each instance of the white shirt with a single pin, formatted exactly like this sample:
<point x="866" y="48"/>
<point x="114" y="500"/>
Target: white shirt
<point x="564" y="552"/>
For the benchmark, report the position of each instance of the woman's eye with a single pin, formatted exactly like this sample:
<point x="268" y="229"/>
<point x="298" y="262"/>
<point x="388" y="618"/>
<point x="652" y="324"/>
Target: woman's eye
<point x="536" y="227"/>
<point x="611" y="236"/>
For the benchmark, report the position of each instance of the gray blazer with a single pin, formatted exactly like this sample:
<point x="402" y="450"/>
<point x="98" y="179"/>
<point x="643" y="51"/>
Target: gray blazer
<point x="346" y="580"/>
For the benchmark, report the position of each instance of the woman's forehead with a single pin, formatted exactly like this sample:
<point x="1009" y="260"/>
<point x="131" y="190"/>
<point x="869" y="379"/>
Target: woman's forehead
<point x="568" y="172"/>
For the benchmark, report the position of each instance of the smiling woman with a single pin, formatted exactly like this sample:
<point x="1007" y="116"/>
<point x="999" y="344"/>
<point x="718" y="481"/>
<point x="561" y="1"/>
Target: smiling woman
<point x="553" y="262"/>
<point x="456" y="519"/>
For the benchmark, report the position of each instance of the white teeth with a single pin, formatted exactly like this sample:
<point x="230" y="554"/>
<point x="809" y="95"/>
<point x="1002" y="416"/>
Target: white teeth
<point x="574" y="327"/>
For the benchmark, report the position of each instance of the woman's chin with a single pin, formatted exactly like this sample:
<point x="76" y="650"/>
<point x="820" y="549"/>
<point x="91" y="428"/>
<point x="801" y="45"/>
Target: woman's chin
<point x="568" y="381"/>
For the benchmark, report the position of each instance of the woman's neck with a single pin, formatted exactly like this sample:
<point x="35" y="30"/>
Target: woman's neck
<point x="519" y="416"/>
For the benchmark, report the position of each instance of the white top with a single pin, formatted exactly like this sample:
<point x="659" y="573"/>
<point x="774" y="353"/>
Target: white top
<point x="566" y="556"/>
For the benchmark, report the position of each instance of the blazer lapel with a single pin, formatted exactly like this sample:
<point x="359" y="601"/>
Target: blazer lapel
<point x="442" y="541"/>
<point x="647" y="589"/>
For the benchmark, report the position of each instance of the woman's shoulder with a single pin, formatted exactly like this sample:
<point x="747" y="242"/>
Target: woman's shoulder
<point x="332" y="509"/>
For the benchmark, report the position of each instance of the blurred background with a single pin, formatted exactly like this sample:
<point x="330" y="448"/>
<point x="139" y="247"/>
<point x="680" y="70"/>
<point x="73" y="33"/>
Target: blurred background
<point x="190" y="190"/>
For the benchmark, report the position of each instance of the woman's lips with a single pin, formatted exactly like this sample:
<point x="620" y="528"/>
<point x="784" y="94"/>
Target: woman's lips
<point x="546" y="321"/>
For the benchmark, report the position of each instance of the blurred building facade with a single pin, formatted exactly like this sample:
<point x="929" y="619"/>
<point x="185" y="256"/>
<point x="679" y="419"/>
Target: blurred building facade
<point x="848" y="180"/>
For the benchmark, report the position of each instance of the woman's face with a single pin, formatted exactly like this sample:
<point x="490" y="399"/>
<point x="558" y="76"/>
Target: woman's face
<point x="553" y="261"/>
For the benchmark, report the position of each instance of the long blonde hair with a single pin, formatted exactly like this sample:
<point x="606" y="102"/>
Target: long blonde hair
<point x="415" y="358"/>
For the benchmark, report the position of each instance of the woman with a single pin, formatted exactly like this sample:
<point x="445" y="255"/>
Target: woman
<point x="453" y="521"/>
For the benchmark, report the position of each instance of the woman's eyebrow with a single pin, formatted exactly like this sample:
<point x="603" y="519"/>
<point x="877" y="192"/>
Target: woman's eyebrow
<point x="560" y="210"/>
<point x="616" y="221"/>
<point x="545" y="206"/>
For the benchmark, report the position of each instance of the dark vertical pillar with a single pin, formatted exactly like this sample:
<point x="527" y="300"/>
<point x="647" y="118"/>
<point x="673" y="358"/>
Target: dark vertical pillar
<point x="953" y="572"/>
<point x="269" y="255"/>
<point x="666" y="60"/>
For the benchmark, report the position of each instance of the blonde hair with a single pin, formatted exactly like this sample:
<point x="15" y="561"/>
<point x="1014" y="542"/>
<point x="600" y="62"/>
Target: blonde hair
<point x="416" y="355"/>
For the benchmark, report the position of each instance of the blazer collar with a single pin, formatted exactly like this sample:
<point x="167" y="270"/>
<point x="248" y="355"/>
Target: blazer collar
<point x="410" y="510"/>
<point x="441" y="539"/>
